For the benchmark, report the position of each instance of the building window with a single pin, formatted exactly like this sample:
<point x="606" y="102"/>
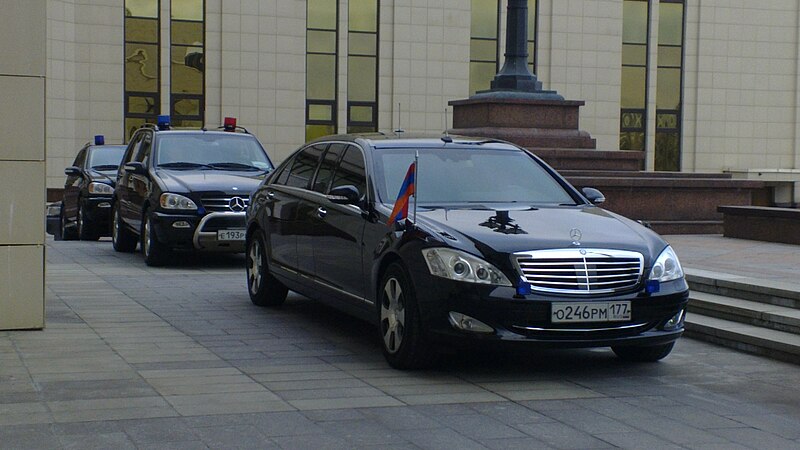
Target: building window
<point x="633" y="114"/>
<point x="669" y="87"/>
<point x="322" y="30"/>
<point x="187" y="63"/>
<point x="362" y="66"/>
<point x="142" y="64"/>
<point x="484" y="51"/>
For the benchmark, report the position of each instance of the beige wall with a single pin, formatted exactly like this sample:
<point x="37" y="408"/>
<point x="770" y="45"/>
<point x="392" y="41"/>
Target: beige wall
<point x="741" y="99"/>
<point x="22" y="157"/>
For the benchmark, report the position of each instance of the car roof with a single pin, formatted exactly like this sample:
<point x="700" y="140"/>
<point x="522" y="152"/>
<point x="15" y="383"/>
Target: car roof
<point x="198" y="131"/>
<point x="404" y="140"/>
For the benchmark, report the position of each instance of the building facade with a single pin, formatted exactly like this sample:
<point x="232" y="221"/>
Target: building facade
<point x="698" y="85"/>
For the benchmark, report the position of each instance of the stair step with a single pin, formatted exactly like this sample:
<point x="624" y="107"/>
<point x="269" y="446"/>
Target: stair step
<point x="765" y="291"/>
<point x="747" y="338"/>
<point x="744" y="311"/>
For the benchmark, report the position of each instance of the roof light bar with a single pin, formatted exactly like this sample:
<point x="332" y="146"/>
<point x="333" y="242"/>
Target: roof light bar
<point x="99" y="139"/>
<point x="163" y="122"/>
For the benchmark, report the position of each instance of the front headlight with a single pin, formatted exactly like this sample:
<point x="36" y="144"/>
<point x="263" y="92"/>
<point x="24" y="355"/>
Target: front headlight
<point x="667" y="266"/>
<point x="176" y="201"/>
<point x="461" y="266"/>
<point x="100" y="188"/>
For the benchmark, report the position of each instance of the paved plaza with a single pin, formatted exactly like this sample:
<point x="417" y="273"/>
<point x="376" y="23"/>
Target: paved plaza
<point x="178" y="357"/>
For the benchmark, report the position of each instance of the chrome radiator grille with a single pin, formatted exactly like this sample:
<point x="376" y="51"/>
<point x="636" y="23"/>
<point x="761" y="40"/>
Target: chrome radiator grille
<point x="225" y="203"/>
<point x="580" y="271"/>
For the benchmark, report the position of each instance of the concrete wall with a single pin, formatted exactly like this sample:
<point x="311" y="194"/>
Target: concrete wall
<point x="22" y="164"/>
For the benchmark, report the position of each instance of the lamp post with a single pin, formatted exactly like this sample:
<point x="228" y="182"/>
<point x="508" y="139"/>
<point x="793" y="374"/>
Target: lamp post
<point x="514" y="78"/>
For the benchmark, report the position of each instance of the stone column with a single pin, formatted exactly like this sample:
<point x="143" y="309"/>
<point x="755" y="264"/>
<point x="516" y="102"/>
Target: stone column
<point x="22" y="163"/>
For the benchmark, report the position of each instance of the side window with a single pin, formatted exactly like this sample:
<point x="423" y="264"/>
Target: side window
<point x="351" y="171"/>
<point x="80" y="158"/>
<point x="133" y="146"/>
<point x="143" y="155"/>
<point x="327" y="166"/>
<point x="303" y="168"/>
<point x="283" y="174"/>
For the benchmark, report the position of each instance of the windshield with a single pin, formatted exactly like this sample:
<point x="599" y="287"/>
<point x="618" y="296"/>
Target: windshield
<point x="107" y="157"/>
<point x="469" y="175"/>
<point x="217" y="151"/>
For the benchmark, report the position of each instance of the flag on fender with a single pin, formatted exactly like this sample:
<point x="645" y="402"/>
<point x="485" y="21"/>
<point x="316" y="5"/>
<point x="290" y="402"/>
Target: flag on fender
<point x="400" y="210"/>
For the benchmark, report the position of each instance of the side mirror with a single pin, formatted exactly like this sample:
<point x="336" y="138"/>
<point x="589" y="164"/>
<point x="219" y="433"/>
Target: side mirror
<point x="72" y="171"/>
<point x="344" y="195"/>
<point x="136" y="168"/>
<point x="593" y="195"/>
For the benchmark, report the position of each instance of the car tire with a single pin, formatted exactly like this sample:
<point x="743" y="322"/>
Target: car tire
<point x="122" y="239"/>
<point x="263" y="287"/>
<point x="86" y="230"/>
<point x="651" y="353"/>
<point x="155" y="253"/>
<point x="402" y="339"/>
<point x="67" y="233"/>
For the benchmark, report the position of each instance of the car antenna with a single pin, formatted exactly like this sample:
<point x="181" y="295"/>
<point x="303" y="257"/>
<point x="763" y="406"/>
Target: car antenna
<point x="446" y="138"/>
<point x="399" y="128"/>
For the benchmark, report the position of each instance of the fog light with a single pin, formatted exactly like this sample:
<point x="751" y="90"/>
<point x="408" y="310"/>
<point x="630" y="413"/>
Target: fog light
<point x="104" y="205"/>
<point x="181" y="224"/>
<point x="675" y="322"/>
<point x="467" y="323"/>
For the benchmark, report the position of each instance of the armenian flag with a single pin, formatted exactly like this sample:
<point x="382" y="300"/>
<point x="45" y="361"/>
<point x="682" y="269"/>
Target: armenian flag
<point x="400" y="210"/>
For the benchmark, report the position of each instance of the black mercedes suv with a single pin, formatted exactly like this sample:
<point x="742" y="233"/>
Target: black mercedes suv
<point x="499" y="249"/>
<point x="185" y="189"/>
<point x="86" y="207"/>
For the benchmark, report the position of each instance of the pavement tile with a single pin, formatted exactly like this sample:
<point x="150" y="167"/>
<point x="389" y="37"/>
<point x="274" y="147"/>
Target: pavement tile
<point x="149" y="431"/>
<point x="340" y="403"/>
<point x="98" y="441"/>
<point x="307" y="394"/>
<point x="401" y="418"/>
<point x="243" y="436"/>
<point x="441" y="439"/>
<point x="335" y="415"/>
<point x="636" y="441"/>
<point x="526" y="443"/>
<point x="465" y="397"/>
<point x="562" y="436"/>
<point x="753" y="438"/>
<point x="479" y="427"/>
<point x="317" y="442"/>
<point x="23" y="437"/>
<point x="510" y="413"/>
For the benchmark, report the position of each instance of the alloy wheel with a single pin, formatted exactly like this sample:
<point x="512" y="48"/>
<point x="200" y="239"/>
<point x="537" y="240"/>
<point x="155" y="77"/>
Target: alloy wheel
<point x="146" y="248"/>
<point x="254" y="266"/>
<point x="393" y="315"/>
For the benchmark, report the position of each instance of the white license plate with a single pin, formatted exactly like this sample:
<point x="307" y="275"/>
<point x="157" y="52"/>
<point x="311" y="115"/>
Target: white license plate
<point x="230" y="235"/>
<point x="590" y="312"/>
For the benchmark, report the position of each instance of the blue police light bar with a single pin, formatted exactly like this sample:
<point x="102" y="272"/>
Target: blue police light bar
<point x="163" y="122"/>
<point x="99" y="140"/>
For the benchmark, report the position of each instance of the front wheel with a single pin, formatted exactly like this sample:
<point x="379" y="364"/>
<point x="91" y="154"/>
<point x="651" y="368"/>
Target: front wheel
<point x="87" y="231"/>
<point x="263" y="287"/>
<point x="122" y="239"/>
<point x="651" y="353"/>
<point x="403" y="340"/>
<point x="155" y="253"/>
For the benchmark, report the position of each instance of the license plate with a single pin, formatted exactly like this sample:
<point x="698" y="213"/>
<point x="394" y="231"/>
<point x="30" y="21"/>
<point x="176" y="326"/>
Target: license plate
<point x="230" y="235"/>
<point x="590" y="312"/>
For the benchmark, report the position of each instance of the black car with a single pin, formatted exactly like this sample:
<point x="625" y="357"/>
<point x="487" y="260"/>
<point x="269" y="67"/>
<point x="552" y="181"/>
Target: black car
<point x="185" y="190"/>
<point x="86" y="207"/>
<point x="500" y="249"/>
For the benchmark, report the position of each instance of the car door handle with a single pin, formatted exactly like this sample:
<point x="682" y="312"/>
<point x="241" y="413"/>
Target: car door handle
<point x="322" y="212"/>
<point x="271" y="195"/>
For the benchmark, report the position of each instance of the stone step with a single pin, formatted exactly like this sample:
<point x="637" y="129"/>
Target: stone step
<point x="641" y="174"/>
<point x="590" y="159"/>
<point x="744" y="311"/>
<point x="743" y="337"/>
<point x="764" y="291"/>
<point x="686" y="226"/>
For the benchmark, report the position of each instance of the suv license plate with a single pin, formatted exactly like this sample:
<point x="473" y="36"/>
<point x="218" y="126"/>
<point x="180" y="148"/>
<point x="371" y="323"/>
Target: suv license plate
<point x="230" y="235"/>
<point x="574" y="312"/>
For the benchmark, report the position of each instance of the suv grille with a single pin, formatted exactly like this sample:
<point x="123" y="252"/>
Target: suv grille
<point x="580" y="271"/>
<point x="218" y="203"/>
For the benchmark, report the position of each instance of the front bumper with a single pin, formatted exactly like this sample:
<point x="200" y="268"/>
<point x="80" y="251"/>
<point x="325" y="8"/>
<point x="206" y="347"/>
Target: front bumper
<point x="527" y="319"/>
<point x="98" y="212"/>
<point x="186" y="231"/>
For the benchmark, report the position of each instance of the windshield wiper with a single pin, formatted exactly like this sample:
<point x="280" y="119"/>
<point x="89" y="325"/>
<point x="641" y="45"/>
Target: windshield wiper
<point x="234" y="166"/>
<point x="184" y="165"/>
<point x="105" y="167"/>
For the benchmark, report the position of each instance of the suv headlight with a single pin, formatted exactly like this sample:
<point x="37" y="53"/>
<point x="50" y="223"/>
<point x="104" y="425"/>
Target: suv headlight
<point x="460" y="266"/>
<point x="176" y="201"/>
<point x="100" y="188"/>
<point x="667" y="266"/>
